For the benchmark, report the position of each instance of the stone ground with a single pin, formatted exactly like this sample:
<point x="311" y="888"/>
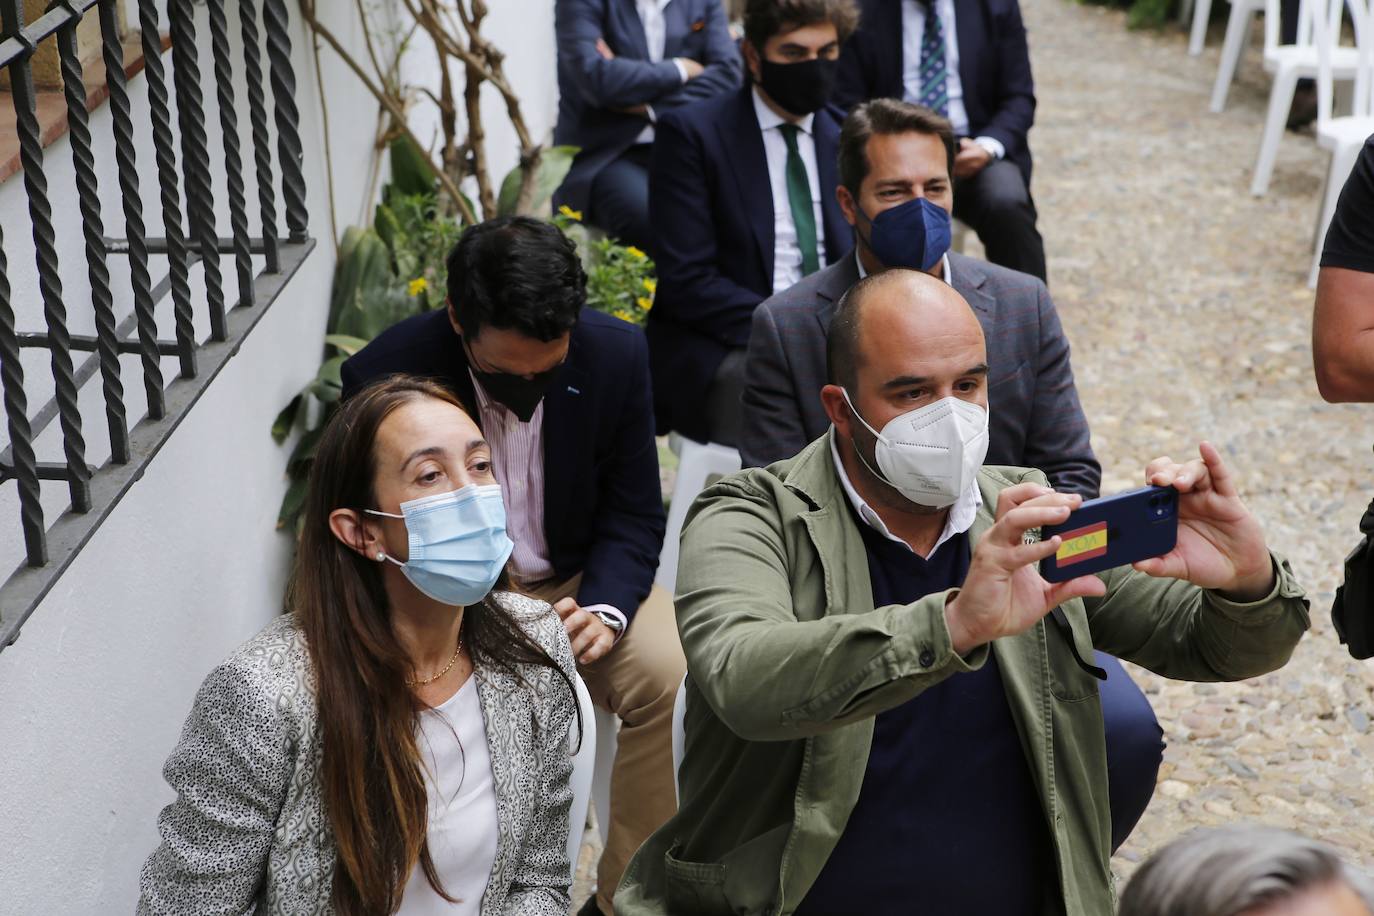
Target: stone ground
<point x="1186" y="303"/>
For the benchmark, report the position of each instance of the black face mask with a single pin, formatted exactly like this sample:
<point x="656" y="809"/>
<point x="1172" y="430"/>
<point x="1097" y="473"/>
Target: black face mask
<point x="519" y="394"/>
<point x="799" y="88"/>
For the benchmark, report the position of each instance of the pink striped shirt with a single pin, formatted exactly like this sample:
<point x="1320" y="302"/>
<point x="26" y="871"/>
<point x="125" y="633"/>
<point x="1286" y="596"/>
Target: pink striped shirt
<point x="517" y="451"/>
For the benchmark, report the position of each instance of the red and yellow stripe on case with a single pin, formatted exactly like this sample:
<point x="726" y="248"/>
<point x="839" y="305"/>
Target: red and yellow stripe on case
<point x="1082" y="544"/>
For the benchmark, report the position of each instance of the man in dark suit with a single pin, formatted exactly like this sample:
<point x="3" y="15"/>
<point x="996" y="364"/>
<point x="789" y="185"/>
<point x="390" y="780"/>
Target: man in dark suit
<point x="894" y="156"/>
<point x="562" y="395"/>
<point x="622" y="63"/>
<point x="738" y="210"/>
<point x="967" y="60"/>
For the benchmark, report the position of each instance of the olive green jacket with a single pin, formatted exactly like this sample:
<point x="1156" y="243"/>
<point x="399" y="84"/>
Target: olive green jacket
<point x="788" y="663"/>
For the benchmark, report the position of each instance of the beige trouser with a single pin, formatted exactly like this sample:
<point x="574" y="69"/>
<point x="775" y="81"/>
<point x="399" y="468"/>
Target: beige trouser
<point x="637" y="681"/>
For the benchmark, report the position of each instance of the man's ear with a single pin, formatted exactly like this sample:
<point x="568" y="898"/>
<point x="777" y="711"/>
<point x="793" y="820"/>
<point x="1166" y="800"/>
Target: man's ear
<point x="453" y="317"/>
<point x="848" y="205"/>
<point x="348" y="526"/>
<point x="832" y="399"/>
<point x="751" y="58"/>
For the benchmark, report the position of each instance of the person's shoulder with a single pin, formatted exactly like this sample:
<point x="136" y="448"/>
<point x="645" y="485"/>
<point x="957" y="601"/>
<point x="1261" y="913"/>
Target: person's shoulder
<point x="417" y="334"/>
<point x="804" y="298"/>
<point x="694" y="116"/>
<point x="270" y="674"/>
<point x="536" y="617"/>
<point x="1003" y="283"/>
<point x="609" y="342"/>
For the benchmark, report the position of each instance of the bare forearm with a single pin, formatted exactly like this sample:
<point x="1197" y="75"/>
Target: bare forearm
<point x="1343" y="335"/>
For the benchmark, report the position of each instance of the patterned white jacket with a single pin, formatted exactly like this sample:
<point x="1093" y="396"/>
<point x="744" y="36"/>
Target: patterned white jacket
<point x="248" y="831"/>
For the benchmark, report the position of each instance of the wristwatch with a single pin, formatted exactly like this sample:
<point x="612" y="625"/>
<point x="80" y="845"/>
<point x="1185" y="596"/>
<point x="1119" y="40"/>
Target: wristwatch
<point x="611" y="621"/>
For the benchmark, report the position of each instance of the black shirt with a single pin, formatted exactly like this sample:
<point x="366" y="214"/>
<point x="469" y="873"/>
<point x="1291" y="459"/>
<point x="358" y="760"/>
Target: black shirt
<point x="1350" y="239"/>
<point x="948" y="820"/>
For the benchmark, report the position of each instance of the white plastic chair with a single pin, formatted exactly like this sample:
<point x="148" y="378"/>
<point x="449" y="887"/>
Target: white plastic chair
<point x="1202" y="14"/>
<point x="1289" y="63"/>
<point x="583" y="762"/>
<point x="1232" y="47"/>
<point x="607" y="745"/>
<point x="1344" y="136"/>
<point x="697" y="464"/>
<point x="679" y="733"/>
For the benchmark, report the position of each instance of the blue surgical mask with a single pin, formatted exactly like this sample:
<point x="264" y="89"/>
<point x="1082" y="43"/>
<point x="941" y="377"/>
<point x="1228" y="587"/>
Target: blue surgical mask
<point x="458" y="543"/>
<point x="914" y="235"/>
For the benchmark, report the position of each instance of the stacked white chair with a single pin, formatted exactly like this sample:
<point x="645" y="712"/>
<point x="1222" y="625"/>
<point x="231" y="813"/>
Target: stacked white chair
<point x="1343" y="136"/>
<point x="1232" y="47"/>
<point x="1289" y="63"/>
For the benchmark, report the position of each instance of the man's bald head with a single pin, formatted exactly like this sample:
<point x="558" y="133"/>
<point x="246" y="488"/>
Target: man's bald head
<point x="896" y="311"/>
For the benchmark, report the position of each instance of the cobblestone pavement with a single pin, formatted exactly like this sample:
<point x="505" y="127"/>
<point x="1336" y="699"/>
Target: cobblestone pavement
<point x="1185" y="300"/>
<point x="1186" y="303"/>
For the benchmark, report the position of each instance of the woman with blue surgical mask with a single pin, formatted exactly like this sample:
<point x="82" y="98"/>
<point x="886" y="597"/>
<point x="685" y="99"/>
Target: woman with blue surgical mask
<point x="399" y="740"/>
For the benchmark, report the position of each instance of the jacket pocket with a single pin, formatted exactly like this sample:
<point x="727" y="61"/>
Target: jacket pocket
<point x="694" y="887"/>
<point x="1068" y="680"/>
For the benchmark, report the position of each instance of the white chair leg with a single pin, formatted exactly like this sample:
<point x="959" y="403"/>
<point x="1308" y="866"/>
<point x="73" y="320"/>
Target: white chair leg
<point x="1237" y="30"/>
<point x="607" y="743"/>
<point x="1342" y="162"/>
<point x="1202" y="12"/>
<point x="1280" y="101"/>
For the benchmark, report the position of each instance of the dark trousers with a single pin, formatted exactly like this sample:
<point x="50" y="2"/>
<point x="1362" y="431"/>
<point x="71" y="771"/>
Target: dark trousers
<point x="620" y="198"/>
<point x="1135" y="747"/>
<point x="723" y="408"/>
<point x="997" y="205"/>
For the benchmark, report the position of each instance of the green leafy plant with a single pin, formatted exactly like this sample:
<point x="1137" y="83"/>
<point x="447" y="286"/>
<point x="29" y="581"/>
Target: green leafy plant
<point x="620" y="278"/>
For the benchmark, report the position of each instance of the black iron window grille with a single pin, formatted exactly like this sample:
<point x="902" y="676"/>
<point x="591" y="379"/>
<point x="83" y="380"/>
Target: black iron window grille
<point x="228" y="295"/>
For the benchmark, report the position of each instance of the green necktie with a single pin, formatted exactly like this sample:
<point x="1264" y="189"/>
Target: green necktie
<point x="799" y="198"/>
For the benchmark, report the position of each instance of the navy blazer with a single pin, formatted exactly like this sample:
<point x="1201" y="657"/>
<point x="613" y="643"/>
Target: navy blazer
<point x="711" y="207"/>
<point x="994" y="68"/>
<point x="591" y="89"/>
<point x="603" y="506"/>
<point x="1034" y="415"/>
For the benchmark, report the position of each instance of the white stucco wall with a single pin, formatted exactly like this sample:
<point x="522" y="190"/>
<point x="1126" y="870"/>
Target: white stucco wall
<point x="94" y="693"/>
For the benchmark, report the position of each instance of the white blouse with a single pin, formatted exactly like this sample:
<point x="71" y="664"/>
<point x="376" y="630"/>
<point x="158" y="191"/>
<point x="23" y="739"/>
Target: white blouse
<point x="462" y="807"/>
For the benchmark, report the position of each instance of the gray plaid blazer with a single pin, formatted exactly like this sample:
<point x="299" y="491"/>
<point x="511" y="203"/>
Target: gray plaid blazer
<point x="1035" y="419"/>
<point x="248" y="831"/>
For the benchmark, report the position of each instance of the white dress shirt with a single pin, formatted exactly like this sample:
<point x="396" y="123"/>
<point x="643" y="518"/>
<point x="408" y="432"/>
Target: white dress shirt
<point x="787" y="256"/>
<point x="913" y="33"/>
<point x="959" y="520"/>
<point x="462" y="807"/>
<point x="948" y="275"/>
<point x="656" y="37"/>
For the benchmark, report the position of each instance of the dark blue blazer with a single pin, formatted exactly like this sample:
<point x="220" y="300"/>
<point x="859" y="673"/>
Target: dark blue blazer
<point x="711" y="207"/>
<point x="591" y="88"/>
<point x="994" y="68"/>
<point x="603" y="506"/>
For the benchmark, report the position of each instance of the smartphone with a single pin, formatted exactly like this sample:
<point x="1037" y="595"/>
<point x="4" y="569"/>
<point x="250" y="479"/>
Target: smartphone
<point x="1113" y="531"/>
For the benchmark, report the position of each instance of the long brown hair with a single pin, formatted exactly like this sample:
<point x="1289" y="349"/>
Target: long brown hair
<point x="372" y="773"/>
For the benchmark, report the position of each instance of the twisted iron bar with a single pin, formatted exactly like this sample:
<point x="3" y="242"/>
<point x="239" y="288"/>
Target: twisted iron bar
<point x="179" y="271"/>
<point x="257" y="116"/>
<point x="195" y="158"/>
<point x="288" y="117"/>
<point x="21" y="434"/>
<point x="45" y="245"/>
<point x="229" y="127"/>
<point x="93" y="229"/>
<point x="134" y="229"/>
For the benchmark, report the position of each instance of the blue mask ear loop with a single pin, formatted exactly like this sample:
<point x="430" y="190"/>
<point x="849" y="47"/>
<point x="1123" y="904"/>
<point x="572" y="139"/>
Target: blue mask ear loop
<point x="854" y="445"/>
<point x="382" y="554"/>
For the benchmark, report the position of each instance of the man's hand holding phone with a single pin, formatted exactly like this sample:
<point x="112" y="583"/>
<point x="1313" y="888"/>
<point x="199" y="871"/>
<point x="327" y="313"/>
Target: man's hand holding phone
<point x="1219" y="546"/>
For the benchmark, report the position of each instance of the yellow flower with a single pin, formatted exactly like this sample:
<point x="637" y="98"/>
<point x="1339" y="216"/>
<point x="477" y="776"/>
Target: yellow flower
<point x="623" y="315"/>
<point x="635" y="253"/>
<point x="651" y="285"/>
<point x="570" y="213"/>
<point x="418" y="286"/>
<point x="644" y="302"/>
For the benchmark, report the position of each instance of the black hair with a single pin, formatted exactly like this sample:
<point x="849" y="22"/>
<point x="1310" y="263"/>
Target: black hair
<point x="516" y="273"/>
<point x="886" y="116"/>
<point x="765" y="18"/>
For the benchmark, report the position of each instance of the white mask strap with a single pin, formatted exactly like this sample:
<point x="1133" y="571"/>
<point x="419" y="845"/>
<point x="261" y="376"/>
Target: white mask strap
<point x="855" y="411"/>
<point x="380" y="512"/>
